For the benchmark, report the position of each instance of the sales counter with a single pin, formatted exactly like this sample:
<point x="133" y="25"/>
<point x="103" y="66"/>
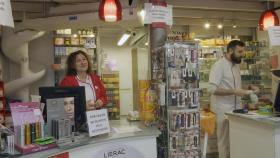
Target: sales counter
<point x="125" y="139"/>
<point x="254" y="136"/>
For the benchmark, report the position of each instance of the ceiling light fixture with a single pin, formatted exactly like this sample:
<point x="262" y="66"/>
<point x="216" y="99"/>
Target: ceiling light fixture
<point x="207" y="25"/>
<point x="268" y="18"/>
<point x="110" y="10"/>
<point x="220" y="26"/>
<point x="123" y="39"/>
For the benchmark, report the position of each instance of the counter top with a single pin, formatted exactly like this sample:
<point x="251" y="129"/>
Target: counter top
<point x="270" y="120"/>
<point x="83" y="139"/>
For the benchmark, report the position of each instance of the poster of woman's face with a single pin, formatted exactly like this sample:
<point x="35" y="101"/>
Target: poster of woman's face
<point x="69" y="107"/>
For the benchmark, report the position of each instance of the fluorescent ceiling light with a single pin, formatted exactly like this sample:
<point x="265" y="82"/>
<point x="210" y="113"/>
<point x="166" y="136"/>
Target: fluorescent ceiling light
<point x="123" y="39"/>
<point x="220" y="26"/>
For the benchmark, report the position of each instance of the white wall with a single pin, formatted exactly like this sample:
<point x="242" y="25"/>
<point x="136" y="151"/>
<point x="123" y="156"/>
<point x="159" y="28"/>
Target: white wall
<point x="123" y="58"/>
<point x="143" y="67"/>
<point x="213" y="31"/>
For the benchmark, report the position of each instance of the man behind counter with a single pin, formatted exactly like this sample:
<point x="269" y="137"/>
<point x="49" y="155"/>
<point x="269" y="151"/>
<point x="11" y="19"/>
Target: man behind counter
<point x="226" y="91"/>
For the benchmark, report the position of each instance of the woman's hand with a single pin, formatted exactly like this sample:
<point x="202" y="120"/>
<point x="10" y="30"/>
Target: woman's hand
<point x="91" y="105"/>
<point x="98" y="103"/>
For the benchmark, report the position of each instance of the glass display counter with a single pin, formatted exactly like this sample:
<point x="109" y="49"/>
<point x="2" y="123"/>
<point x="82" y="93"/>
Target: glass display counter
<point x="132" y="139"/>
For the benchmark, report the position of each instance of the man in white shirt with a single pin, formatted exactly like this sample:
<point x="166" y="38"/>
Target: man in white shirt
<point x="225" y="87"/>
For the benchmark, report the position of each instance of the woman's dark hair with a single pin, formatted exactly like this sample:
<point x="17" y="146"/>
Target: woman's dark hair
<point x="71" y="70"/>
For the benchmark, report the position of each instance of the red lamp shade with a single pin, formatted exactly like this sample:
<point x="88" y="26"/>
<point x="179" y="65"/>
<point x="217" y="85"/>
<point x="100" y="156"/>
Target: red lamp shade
<point x="110" y="10"/>
<point x="268" y="18"/>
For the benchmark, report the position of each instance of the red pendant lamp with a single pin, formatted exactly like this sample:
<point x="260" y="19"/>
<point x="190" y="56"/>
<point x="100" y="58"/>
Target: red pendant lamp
<point x="110" y="10"/>
<point x="267" y="19"/>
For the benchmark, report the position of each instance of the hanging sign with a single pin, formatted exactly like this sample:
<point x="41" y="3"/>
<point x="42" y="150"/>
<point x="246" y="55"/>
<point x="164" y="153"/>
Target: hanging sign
<point x="119" y="151"/>
<point x="158" y="14"/>
<point x="98" y="122"/>
<point x="6" y="17"/>
<point x="274" y="35"/>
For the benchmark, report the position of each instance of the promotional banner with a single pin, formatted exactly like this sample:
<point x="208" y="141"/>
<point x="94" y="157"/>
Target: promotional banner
<point x="6" y="16"/>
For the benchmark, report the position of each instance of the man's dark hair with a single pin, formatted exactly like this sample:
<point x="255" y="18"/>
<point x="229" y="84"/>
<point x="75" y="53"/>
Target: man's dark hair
<point x="232" y="44"/>
<point x="71" y="70"/>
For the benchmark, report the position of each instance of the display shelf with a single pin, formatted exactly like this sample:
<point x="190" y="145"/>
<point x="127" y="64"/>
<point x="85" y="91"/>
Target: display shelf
<point x="81" y="46"/>
<point x="255" y="67"/>
<point x="66" y="42"/>
<point x="3" y="109"/>
<point x="111" y="84"/>
<point x="176" y="84"/>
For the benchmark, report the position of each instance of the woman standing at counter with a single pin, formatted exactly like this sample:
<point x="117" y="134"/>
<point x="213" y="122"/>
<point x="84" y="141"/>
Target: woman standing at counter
<point x="79" y="73"/>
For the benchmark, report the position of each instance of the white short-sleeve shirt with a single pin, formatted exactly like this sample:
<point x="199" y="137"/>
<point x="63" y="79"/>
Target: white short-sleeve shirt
<point x="224" y="74"/>
<point x="89" y="88"/>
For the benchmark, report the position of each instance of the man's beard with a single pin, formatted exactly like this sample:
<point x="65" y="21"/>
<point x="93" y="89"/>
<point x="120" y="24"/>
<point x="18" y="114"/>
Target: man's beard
<point x="235" y="60"/>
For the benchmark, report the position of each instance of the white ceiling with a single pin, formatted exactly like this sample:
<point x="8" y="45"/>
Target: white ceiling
<point x="185" y="12"/>
<point x="186" y="9"/>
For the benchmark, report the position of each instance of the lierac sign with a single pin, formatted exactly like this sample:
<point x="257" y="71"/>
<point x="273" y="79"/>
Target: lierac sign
<point x="6" y="17"/>
<point x="119" y="151"/>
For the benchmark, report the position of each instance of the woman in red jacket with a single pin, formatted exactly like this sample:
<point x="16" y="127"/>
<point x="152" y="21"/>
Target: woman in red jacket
<point x="79" y="74"/>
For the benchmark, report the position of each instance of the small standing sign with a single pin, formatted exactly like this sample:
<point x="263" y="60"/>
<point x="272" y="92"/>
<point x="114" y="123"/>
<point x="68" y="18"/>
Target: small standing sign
<point x="98" y="122"/>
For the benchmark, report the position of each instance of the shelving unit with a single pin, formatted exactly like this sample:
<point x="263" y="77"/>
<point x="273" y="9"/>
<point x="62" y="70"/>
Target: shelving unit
<point x="255" y="67"/>
<point x="67" y="41"/>
<point x="111" y="83"/>
<point x="3" y="110"/>
<point x="208" y="55"/>
<point x="179" y="114"/>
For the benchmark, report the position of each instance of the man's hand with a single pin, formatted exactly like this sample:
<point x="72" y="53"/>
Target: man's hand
<point x="255" y="89"/>
<point x="242" y="92"/>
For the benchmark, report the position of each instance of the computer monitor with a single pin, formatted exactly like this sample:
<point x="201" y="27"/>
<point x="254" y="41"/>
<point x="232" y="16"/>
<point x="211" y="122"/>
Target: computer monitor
<point x="77" y="92"/>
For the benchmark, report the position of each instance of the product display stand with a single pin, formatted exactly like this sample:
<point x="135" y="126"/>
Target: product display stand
<point x="179" y="114"/>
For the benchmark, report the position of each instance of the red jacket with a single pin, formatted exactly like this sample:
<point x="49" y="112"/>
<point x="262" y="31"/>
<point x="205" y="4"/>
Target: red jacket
<point x="100" y="91"/>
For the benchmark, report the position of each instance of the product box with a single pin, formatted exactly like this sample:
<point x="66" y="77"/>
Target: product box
<point x="28" y="126"/>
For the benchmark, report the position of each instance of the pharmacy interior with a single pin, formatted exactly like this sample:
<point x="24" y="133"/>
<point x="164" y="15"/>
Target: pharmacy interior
<point x="155" y="73"/>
